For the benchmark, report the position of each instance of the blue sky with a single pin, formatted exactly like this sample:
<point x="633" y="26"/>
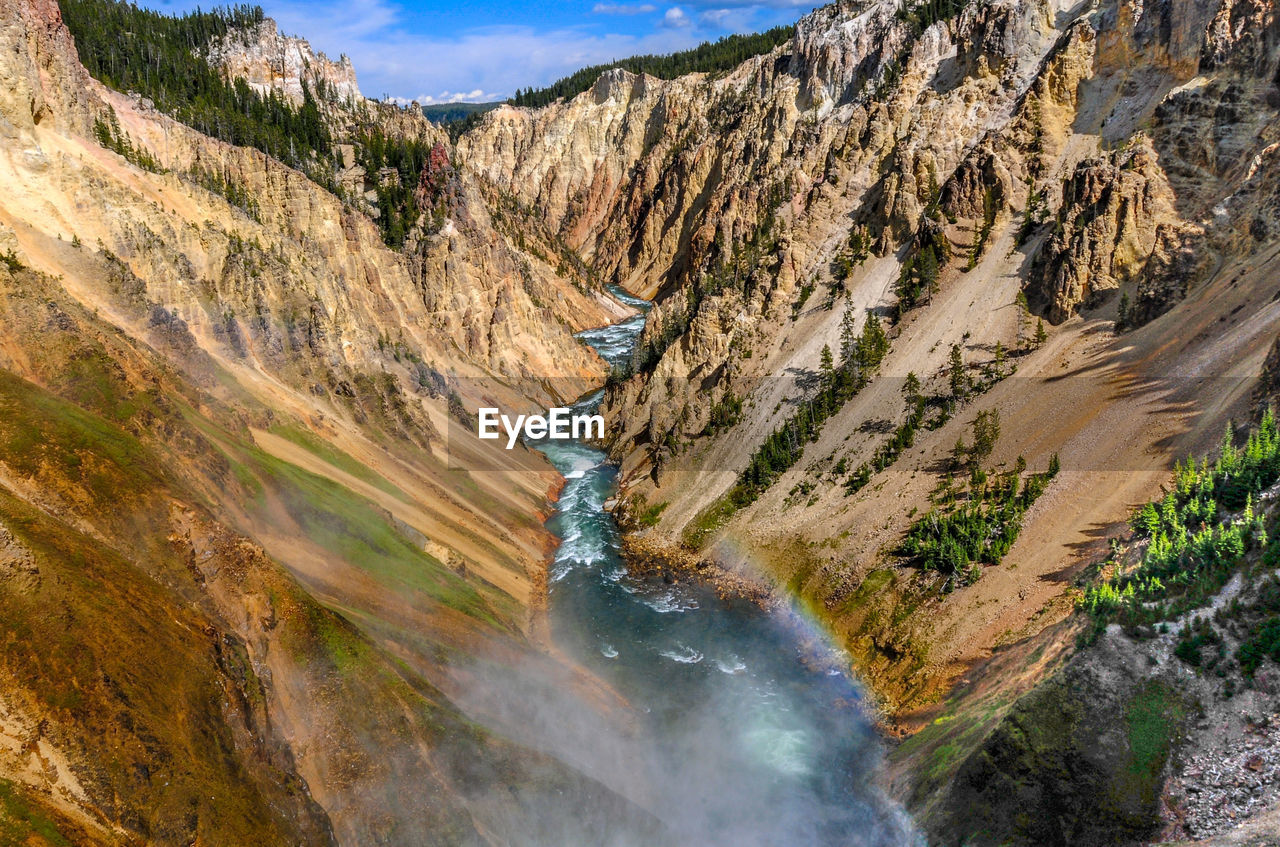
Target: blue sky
<point x="436" y="52"/>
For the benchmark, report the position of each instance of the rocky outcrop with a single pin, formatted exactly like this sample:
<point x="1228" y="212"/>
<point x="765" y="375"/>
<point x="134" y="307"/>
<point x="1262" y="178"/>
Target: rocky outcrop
<point x="668" y="186"/>
<point x="1180" y="259"/>
<point x="1104" y="233"/>
<point x="269" y="60"/>
<point x="44" y="76"/>
<point x="653" y="179"/>
<point x="1067" y="765"/>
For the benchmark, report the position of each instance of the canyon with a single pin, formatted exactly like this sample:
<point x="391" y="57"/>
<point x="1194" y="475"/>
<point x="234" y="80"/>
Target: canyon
<point x="241" y="483"/>
<point x="1078" y="157"/>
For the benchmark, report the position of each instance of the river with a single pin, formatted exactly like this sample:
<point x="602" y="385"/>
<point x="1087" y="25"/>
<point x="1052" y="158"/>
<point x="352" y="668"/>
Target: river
<point x="754" y="734"/>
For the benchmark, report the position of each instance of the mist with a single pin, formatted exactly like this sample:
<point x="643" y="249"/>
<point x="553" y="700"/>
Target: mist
<point x="715" y="722"/>
<point x="728" y="724"/>
<point x="792" y="765"/>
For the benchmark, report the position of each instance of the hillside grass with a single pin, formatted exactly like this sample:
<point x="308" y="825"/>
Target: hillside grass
<point x="347" y="525"/>
<point x="42" y="435"/>
<point x="1153" y="719"/>
<point x="321" y="449"/>
<point x="21" y="823"/>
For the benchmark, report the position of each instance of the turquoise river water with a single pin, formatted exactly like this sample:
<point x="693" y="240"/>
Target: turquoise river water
<point x="753" y="733"/>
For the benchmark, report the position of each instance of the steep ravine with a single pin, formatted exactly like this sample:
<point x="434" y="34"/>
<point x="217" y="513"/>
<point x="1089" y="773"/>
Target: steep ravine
<point x="746" y="729"/>
<point x="239" y="485"/>
<point x="1096" y="185"/>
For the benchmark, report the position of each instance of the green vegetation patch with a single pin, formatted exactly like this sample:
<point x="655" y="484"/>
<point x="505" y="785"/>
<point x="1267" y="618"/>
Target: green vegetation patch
<point x="1154" y="719"/>
<point x="955" y="542"/>
<point x="318" y="447"/>
<point x="21" y="824"/>
<point x="108" y="133"/>
<point x="942" y="746"/>
<point x="872" y="584"/>
<point x="1264" y="642"/>
<point x="921" y="16"/>
<point x="342" y="646"/>
<point x="92" y="380"/>
<point x="398" y="199"/>
<point x="704" y="525"/>
<point x="918" y="280"/>
<point x="41" y="433"/>
<point x="447" y="113"/>
<point x="1197" y="535"/>
<point x="346" y="524"/>
<point x="649" y="515"/>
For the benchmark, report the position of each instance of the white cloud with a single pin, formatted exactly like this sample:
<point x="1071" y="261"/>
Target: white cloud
<point x="476" y="95"/>
<point x="675" y="18"/>
<point x="739" y="19"/>
<point x="756" y="4"/>
<point x="390" y="59"/>
<point x="623" y="8"/>
<point x="394" y="54"/>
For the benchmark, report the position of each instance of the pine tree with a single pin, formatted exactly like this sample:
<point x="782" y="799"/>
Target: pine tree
<point x="928" y="272"/>
<point x="911" y="388"/>
<point x="848" y="337"/>
<point x="990" y="208"/>
<point x="986" y="431"/>
<point x="934" y="200"/>
<point x="859" y="244"/>
<point x="873" y="343"/>
<point x="1146" y="520"/>
<point x="1020" y="303"/>
<point x="957" y="376"/>
<point x="1041" y="335"/>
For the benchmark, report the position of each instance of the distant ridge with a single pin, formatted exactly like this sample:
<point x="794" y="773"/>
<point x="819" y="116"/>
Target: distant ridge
<point x="707" y="57"/>
<point x="447" y="113"/>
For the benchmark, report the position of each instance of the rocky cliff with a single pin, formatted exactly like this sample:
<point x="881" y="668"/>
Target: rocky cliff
<point x="269" y="60"/>
<point x="761" y="175"/>
<point x="230" y="410"/>
<point x="1058" y="152"/>
<point x="1062" y="213"/>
